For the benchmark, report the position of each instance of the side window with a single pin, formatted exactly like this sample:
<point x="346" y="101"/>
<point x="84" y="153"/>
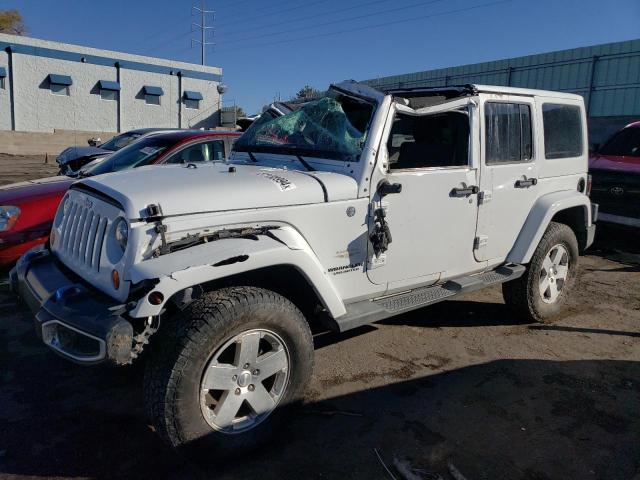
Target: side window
<point x="562" y="130"/>
<point x="507" y="133"/>
<point x="200" y="152"/>
<point x="427" y="141"/>
<point x="217" y="150"/>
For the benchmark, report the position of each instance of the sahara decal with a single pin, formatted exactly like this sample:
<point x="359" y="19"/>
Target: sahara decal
<point x="283" y="183"/>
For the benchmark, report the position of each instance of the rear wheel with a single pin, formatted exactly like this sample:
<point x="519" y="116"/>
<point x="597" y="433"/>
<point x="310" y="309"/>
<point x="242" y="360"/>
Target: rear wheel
<point x="542" y="291"/>
<point x="224" y="370"/>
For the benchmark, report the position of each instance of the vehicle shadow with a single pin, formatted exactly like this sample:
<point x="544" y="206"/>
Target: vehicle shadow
<point x="611" y="239"/>
<point x="507" y="419"/>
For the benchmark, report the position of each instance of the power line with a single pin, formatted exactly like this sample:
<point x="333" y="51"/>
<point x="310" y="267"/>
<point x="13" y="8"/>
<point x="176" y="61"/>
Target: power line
<point x="341" y="20"/>
<point x="320" y="14"/>
<point x="367" y="27"/>
<point x="273" y="10"/>
<point x="169" y="40"/>
<point x="160" y="30"/>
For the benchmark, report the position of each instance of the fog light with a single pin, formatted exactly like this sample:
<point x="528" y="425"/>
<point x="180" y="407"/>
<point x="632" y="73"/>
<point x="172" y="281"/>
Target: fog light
<point x="156" y="298"/>
<point x="115" y="279"/>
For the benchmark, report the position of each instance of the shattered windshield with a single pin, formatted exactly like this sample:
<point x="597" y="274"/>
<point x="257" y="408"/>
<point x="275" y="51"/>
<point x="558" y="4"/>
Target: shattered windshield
<point x="333" y="127"/>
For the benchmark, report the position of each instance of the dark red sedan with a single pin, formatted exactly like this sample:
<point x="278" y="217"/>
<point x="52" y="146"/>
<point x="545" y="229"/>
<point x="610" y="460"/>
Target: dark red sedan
<point x="27" y="209"/>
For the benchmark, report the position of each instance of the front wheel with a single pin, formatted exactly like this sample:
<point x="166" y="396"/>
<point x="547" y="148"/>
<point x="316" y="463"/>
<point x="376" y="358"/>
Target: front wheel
<point x="542" y="291"/>
<point x="224" y="369"/>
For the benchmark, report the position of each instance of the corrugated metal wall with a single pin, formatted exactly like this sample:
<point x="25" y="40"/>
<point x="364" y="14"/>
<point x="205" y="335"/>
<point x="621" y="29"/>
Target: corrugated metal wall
<point x="608" y="76"/>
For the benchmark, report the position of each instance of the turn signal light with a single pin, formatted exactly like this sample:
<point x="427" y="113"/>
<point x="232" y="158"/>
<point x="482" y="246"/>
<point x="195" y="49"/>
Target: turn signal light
<point x="115" y="279"/>
<point x="156" y="298"/>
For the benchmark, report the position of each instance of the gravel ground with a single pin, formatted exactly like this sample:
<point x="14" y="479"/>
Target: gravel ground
<point x="461" y="383"/>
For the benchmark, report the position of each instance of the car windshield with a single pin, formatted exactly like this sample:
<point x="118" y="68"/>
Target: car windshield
<point x="624" y="143"/>
<point x="120" y="141"/>
<point x="333" y="127"/>
<point x="139" y="153"/>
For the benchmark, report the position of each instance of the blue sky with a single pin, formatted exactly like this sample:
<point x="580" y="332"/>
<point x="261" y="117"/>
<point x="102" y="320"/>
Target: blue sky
<point x="276" y="47"/>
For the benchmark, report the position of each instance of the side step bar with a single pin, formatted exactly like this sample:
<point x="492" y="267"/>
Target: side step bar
<point x="370" y="311"/>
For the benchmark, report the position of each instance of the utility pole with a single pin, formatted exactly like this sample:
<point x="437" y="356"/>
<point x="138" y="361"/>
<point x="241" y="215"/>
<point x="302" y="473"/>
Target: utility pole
<point x="203" y="28"/>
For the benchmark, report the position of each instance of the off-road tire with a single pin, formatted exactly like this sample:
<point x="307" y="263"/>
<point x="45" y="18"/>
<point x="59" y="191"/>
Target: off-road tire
<point x="187" y="340"/>
<point x="523" y="294"/>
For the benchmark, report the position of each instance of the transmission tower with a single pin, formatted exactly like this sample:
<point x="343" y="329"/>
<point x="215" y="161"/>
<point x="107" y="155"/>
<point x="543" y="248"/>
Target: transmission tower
<point x="202" y="10"/>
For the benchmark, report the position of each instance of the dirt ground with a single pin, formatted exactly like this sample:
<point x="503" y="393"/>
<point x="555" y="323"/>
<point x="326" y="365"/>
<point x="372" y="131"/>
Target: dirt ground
<point x="462" y="383"/>
<point x="18" y="168"/>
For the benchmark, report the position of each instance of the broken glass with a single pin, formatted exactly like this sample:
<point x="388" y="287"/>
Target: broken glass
<point x="330" y="127"/>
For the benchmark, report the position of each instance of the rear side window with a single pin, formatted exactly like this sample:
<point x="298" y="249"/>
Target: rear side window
<point x="507" y="132"/>
<point x="562" y="130"/>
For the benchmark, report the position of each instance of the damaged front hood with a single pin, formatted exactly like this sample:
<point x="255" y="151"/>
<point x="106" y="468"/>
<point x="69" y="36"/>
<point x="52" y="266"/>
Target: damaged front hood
<point x="73" y="153"/>
<point x="197" y="188"/>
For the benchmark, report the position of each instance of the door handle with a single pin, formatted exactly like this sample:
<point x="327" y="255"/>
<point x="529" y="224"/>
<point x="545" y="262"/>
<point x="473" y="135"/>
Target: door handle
<point x="385" y="188"/>
<point x="464" y="192"/>
<point x="526" y="183"/>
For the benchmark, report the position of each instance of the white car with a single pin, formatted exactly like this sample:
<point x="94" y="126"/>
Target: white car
<point x="352" y="208"/>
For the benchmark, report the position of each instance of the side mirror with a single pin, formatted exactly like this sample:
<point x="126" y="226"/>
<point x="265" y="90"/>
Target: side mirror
<point x="94" y="142"/>
<point x="385" y="188"/>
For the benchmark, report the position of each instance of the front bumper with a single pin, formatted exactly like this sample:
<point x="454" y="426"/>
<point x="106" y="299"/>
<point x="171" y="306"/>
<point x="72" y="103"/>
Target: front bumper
<point x="74" y="320"/>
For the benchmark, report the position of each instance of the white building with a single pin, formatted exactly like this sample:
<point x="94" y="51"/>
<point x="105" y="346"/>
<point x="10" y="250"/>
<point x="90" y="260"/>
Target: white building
<point x="49" y="86"/>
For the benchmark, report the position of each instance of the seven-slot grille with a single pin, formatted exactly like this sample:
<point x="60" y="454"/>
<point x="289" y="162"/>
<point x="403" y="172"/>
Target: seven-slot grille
<point x="82" y="234"/>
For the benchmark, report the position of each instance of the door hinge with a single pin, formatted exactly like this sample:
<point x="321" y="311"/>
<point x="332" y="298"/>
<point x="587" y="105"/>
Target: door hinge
<point x="480" y="241"/>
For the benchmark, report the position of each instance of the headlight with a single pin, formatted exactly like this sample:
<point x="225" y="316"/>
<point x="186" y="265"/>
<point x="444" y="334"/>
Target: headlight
<point x="122" y="233"/>
<point x="8" y="217"/>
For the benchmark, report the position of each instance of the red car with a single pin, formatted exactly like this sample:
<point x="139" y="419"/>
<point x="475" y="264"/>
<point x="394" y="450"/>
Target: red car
<point x="615" y="174"/>
<point x="27" y="209"/>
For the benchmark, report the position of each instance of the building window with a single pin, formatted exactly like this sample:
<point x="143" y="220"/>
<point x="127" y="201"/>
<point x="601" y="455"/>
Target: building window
<point x="507" y="133"/>
<point x="562" y="130"/>
<point x="193" y="104"/>
<point x="59" y="84"/>
<point x="111" y="95"/>
<point x="2" y="83"/>
<point x="192" y="99"/>
<point x="152" y="94"/>
<point x="109" y="90"/>
<point x="3" y="76"/>
<point x="152" y="99"/>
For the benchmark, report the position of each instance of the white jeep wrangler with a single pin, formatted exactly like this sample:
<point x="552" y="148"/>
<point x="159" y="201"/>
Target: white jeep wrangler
<point x="349" y="209"/>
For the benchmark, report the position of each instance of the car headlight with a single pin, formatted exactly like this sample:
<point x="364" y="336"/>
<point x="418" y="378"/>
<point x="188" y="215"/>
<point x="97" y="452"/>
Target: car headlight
<point x="122" y="233"/>
<point x="8" y="217"/>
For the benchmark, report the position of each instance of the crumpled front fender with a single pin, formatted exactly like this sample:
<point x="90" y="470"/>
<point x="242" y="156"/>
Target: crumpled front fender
<point x="222" y="258"/>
